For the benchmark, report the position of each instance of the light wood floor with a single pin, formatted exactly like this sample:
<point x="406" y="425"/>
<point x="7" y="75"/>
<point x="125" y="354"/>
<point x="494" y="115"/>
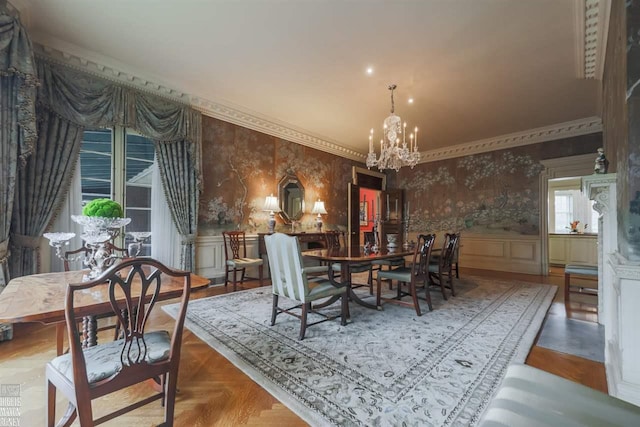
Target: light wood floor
<point x="213" y="392"/>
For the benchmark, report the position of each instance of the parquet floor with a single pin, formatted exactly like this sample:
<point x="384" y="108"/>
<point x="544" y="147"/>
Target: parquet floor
<point x="213" y="392"/>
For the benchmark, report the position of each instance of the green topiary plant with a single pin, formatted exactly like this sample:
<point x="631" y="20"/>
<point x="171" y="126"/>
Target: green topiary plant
<point x="105" y="208"/>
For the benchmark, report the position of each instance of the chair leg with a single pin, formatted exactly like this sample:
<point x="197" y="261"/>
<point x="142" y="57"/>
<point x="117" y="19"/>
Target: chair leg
<point x="51" y="404"/>
<point x="274" y="310"/>
<point x="370" y="281"/>
<point x="170" y="397"/>
<point x="260" y="270"/>
<point x="444" y="293"/>
<point x="427" y="295"/>
<point x="378" y="292"/>
<point x="226" y="276"/>
<point x="234" y="279"/>
<point x="453" y="291"/>
<point x="306" y="307"/>
<point x="414" y="296"/>
<point x="344" y="310"/>
<point x="457" y="271"/>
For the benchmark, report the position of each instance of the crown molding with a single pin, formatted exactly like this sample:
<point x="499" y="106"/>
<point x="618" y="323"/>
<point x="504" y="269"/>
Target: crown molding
<point x="592" y="28"/>
<point x="548" y="133"/>
<point x="70" y="57"/>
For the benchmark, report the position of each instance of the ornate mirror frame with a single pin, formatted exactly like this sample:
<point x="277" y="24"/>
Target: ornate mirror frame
<point x="291" y="198"/>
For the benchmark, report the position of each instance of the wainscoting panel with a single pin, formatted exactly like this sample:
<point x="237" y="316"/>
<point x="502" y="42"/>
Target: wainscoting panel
<point x="519" y="254"/>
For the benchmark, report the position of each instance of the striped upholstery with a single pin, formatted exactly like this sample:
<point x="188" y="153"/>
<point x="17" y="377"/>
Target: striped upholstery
<point x="288" y="274"/>
<point x="289" y="279"/>
<point x="244" y="262"/>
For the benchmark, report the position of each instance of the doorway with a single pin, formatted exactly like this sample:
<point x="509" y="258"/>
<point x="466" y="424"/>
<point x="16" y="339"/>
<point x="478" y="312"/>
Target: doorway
<point x="364" y="203"/>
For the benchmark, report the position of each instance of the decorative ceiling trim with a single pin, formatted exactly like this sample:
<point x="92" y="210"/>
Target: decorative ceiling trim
<point x="518" y="139"/>
<point x="592" y="28"/>
<point x="285" y="131"/>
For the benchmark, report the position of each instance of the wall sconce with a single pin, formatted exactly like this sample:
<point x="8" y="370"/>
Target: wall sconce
<point x="318" y="208"/>
<point x="271" y="205"/>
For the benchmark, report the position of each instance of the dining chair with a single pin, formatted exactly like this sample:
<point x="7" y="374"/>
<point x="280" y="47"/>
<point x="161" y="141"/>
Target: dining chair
<point x="417" y="272"/>
<point x="235" y="252"/>
<point x="85" y="374"/>
<point x="440" y="268"/>
<point x="356" y="267"/>
<point x="291" y="279"/>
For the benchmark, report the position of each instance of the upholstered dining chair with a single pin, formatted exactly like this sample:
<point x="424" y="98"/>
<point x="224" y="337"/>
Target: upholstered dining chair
<point x="290" y="279"/>
<point x="85" y="374"/>
<point x="440" y="267"/>
<point x="236" y="261"/>
<point x="417" y="272"/>
<point x="360" y="267"/>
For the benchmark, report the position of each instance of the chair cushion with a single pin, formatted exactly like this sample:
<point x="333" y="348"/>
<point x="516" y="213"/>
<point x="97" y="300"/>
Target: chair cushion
<point x="244" y="262"/>
<point x="402" y="274"/>
<point x="353" y="268"/>
<point x="323" y="289"/>
<point x="393" y="262"/>
<point x="584" y="270"/>
<point x="103" y="360"/>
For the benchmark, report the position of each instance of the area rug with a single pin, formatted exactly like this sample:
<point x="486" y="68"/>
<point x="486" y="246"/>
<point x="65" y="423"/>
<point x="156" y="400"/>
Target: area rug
<point x="384" y="368"/>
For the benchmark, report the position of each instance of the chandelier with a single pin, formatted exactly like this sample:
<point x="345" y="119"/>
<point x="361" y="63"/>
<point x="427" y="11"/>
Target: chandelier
<point x="393" y="153"/>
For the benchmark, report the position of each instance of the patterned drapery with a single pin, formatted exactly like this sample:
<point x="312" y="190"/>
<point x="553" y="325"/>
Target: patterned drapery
<point x="90" y="101"/>
<point x="40" y="187"/>
<point x="17" y="119"/>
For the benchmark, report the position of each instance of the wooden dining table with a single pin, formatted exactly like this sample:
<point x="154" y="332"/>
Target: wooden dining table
<point x="354" y="255"/>
<point x="41" y="298"/>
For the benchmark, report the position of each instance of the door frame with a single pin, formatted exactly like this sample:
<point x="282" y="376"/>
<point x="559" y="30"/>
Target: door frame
<point x="563" y="167"/>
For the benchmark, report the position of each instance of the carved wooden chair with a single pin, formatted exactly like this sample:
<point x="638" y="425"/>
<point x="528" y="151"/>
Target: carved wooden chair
<point x="290" y="279"/>
<point x="236" y="261"/>
<point x="417" y="272"/>
<point x="440" y="268"/>
<point x="363" y="267"/>
<point x="85" y="374"/>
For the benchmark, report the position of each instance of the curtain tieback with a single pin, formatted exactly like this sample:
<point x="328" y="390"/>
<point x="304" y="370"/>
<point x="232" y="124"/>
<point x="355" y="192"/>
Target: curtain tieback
<point x="188" y="239"/>
<point x="4" y="251"/>
<point x="24" y="241"/>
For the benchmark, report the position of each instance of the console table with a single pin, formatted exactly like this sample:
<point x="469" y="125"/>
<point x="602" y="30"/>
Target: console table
<point x="311" y="240"/>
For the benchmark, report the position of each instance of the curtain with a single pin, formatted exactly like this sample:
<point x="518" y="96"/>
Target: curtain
<point x="40" y="187"/>
<point x="165" y="240"/>
<point x="71" y="206"/>
<point x="181" y="188"/>
<point x="90" y="101"/>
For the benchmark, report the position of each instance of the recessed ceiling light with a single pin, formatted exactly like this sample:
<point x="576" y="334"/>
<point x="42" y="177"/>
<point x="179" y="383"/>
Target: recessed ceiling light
<point x="410" y="100"/>
<point x="369" y="70"/>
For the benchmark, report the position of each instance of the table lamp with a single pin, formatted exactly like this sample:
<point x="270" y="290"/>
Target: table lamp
<point x="318" y="208"/>
<point x="271" y="205"/>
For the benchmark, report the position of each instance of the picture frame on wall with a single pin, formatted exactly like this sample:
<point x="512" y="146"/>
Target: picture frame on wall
<point x="363" y="213"/>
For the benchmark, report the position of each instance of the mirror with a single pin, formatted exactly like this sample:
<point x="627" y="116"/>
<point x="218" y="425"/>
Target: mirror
<point x="291" y="197"/>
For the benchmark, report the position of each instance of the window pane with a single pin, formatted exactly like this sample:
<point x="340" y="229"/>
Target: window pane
<point x="138" y="164"/>
<point x="95" y="164"/>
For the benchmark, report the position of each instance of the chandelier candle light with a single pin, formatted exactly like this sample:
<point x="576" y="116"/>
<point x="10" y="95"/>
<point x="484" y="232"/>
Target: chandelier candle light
<point x="393" y="154"/>
<point x="318" y="208"/>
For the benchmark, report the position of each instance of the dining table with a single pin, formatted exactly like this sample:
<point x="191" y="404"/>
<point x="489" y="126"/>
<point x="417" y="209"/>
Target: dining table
<point x="347" y="255"/>
<point x="41" y="298"/>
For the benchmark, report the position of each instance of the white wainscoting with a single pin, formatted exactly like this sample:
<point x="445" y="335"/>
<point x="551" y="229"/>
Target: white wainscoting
<point x="210" y="258"/>
<point x="573" y="249"/>
<point x="519" y="254"/>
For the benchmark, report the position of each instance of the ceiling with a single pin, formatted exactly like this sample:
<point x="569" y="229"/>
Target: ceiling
<point x="476" y="69"/>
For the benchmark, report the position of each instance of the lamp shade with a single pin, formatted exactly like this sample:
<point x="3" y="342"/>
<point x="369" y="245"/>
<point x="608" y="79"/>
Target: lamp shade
<point x="318" y="208"/>
<point x="271" y="204"/>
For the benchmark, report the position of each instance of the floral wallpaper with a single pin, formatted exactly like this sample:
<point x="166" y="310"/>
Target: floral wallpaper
<point x="489" y="193"/>
<point x="242" y="166"/>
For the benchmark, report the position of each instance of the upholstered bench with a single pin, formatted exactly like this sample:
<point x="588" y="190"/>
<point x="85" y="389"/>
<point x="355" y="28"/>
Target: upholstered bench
<point x="531" y="397"/>
<point x="578" y="270"/>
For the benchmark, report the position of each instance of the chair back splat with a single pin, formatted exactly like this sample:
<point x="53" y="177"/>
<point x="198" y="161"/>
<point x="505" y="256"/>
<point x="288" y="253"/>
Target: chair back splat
<point x="132" y="288"/>
<point x="290" y="279"/>
<point x="417" y="273"/>
<point x="236" y="261"/>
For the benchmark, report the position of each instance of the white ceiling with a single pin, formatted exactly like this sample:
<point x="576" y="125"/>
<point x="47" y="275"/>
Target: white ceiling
<point x="477" y="69"/>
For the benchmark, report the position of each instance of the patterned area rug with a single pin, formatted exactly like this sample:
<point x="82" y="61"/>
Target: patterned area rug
<point x="387" y="367"/>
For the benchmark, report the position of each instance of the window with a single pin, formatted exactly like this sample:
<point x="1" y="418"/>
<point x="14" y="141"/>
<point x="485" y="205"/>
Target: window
<point x="116" y="164"/>
<point x="567" y="204"/>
